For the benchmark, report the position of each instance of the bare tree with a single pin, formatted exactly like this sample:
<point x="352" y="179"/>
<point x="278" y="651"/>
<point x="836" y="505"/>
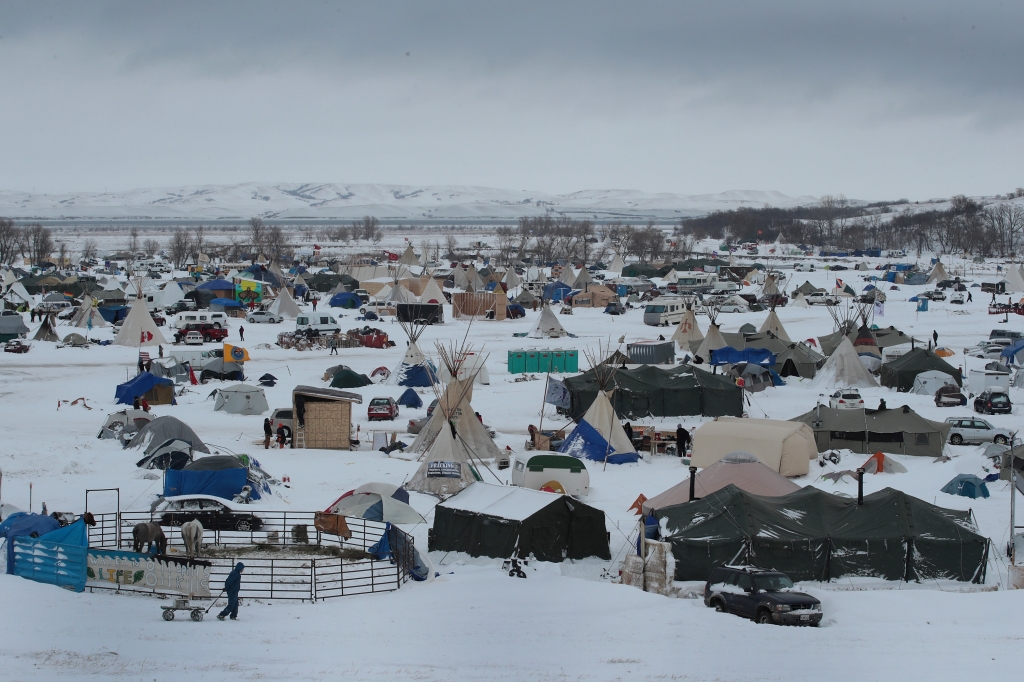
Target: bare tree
<point x="179" y="247"/>
<point x="257" y="237"/>
<point x="365" y="228"/>
<point x="507" y="241"/>
<point x="276" y="244"/>
<point x="89" y="249"/>
<point x="39" y="243"/>
<point x="150" y="247"/>
<point x="62" y="254"/>
<point x="377" y="235"/>
<point x="10" y="241"/>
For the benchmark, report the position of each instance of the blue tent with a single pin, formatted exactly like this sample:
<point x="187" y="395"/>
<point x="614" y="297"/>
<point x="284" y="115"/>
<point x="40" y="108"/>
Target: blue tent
<point x="586" y="441"/>
<point x="415" y="375"/>
<point x="410" y="399"/>
<point x="966" y="485"/>
<point x="515" y="311"/>
<point x="556" y="291"/>
<point x="1012" y="350"/>
<point x="225" y="483"/>
<point x="261" y="274"/>
<point x="345" y="299"/>
<point x="731" y="356"/>
<point x="139" y="386"/>
<point x="216" y="285"/>
<point x="224" y="303"/>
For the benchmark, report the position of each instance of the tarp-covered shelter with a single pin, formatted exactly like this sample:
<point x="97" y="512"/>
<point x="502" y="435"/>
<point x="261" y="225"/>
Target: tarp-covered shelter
<point x="156" y="390"/>
<point x="11" y="327"/>
<point x="241" y="399"/>
<point x="221" y="476"/>
<point x="814" y="535"/>
<point x="783" y="446"/>
<point x="653" y="391"/>
<point x="899" y="373"/>
<point x="740" y="469"/>
<point x="508" y="521"/>
<point x="927" y="383"/>
<point x="599" y="435"/>
<point x="163" y="429"/>
<point x="896" y="431"/>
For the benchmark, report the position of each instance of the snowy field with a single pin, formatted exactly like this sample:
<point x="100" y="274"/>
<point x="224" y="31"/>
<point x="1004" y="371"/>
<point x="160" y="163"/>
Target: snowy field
<point x="564" y="622"/>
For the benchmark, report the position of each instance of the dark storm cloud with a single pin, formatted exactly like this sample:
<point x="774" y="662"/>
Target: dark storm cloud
<point x="745" y="81"/>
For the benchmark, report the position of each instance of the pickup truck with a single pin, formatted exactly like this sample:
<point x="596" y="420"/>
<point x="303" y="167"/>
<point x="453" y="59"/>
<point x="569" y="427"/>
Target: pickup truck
<point x="209" y="332"/>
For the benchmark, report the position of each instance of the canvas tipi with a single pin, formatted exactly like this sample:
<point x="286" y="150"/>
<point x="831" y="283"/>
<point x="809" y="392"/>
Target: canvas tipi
<point x="599" y="436"/>
<point x="714" y="340"/>
<point x="47" y="330"/>
<point x="617" y="265"/>
<point x="774" y="325"/>
<point x="687" y="331"/>
<point x="937" y="274"/>
<point x="512" y="279"/>
<point x="1014" y="280"/>
<point x="547" y="326"/>
<point x="844" y="368"/>
<point x="284" y="306"/>
<point x="415" y="369"/>
<point x="139" y="329"/>
<point x="432" y="292"/>
<point x="447" y="465"/>
<point x="88" y="316"/>
<point x="867" y="349"/>
<point x="582" y="279"/>
<point x="409" y="257"/>
<point x="799" y="301"/>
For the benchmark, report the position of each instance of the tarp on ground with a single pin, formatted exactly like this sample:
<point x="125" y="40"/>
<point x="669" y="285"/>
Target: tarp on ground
<point x="899" y="373"/>
<point x="509" y="521"/>
<point x="814" y="535"/>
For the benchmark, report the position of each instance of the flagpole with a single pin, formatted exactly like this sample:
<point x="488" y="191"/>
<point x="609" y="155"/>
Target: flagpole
<point x="544" y="401"/>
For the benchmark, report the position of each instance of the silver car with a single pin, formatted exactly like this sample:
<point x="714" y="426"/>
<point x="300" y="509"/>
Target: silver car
<point x="261" y="316"/>
<point x="974" y="430"/>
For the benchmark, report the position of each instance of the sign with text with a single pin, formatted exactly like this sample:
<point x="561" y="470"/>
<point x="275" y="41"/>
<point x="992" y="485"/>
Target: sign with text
<point x="444" y="469"/>
<point x="147" y="571"/>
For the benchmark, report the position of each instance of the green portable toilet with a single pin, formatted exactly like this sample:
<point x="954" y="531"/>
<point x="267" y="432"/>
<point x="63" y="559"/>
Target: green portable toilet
<point x="558" y="360"/>
<point x="532" y="360"/>
<point x="544" y="361"/>
<point x="516" y="361"/>
<point x="572" y="361"/>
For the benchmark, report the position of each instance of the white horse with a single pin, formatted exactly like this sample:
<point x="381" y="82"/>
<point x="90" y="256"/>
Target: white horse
<point x="192" y="536"/>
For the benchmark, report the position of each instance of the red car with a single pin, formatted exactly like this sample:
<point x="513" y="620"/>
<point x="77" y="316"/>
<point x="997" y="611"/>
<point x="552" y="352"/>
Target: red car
<point x="209" y="332"/>
<point x="382" y="408"/>
<point x="17" y="346"/>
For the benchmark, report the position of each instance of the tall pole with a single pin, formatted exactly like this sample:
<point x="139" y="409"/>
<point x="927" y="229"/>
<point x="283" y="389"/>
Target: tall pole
<point x="1013" y="502"/>
<point x="544" y="401"/>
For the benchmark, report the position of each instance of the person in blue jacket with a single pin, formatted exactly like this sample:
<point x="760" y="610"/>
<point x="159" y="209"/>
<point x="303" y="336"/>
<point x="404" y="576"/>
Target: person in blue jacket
<point x="231" y="585"/>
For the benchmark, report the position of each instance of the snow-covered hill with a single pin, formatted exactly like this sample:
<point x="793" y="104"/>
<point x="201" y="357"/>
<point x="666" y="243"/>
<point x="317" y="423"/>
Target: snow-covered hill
<point x="402" y="202"/>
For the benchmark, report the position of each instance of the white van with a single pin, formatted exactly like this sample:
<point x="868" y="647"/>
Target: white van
<point x="218" y="320"/>
<point x="664" y="311"/>
<point x="322" y="322"/>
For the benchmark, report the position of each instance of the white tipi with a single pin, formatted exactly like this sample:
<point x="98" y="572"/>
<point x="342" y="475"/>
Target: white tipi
<point x="712" y="342"/>
<point x="687" y="331"/>
<point x="1014" y="280"/>
<point x="774" y="325"/>
<point x="547" y="326"/>
<point x="432" y="292"/>
<point x="284" y="306"/>
<point x="446" y="466"/>
<point x="844" y="368"/>
<point x="409" y="257"/>
<point x="139" y="329"/>
<point x="88" y="315"/>
<point x="617" y="265"/>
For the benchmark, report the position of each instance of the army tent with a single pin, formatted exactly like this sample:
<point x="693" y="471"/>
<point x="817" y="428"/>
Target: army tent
<point x="806" y="288"/>
<point x="508" y="521"/>
<point x="241" y="399"/>
<point x="898" y="431"/>
<point x="814" y="535"/>
<point x="346" y="378"/>
<point x="900" y="372"/>
<point x="798" y="360"/>
<point x="740" y="469"/>
<point x="783" y="446"/>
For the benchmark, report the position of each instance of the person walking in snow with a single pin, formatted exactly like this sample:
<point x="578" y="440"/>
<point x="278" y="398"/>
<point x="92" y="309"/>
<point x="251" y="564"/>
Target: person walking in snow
<point x="969" y="297"/>
<point x="682" y="440"/>
<point x="232" y="584"/>
<point x="268" y="431"/>
<point x="935" y="338"/>
<point x="241" y="333"/>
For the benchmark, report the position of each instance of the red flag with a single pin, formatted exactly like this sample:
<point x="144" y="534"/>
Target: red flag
<point x="146" y="336"/>
<point x="192" y="377"/>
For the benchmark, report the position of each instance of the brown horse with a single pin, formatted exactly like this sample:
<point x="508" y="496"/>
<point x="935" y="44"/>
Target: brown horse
<point x="149" y="534"/>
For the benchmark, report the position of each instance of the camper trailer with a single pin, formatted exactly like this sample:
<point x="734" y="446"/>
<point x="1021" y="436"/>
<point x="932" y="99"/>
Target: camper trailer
<point x="552" y="471"/>
<point x="664" y="312"/>
<point x="218" y="320"/>
<point x="694" y="282"/>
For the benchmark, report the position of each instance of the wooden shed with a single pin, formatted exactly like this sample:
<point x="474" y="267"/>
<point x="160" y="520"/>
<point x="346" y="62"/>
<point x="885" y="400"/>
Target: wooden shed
<point x="322" y="418"/>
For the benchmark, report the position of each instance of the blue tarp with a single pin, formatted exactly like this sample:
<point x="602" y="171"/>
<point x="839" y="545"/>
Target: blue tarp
<point x="586" y="441"/>
<point x="225" y="483"/>
<point x="415" y="375"/>
<point x="345" y="299"/>
<point x="514" y="310"/>
<point x="226" y="303"/>
<point x="381" y="550"/>
<point x="731" y="356"/>
<point x="137" y="387"/>
<point x="23" y="523"/>
<point x="113" y="313"/>
<point x="556" y="291"/>
<point x="216" y="285"/>
<point x="410" y="399"/>
<point x="1012" y="350"/>
<point x="261" y="274"/>
<point x="56" y="558"/>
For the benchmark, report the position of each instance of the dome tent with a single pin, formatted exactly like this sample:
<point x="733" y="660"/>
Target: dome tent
<point x="966" y="485"/>
<point x="163" y="429"/>
<point x="241" y="399"/>
<point x="346" y="378"/>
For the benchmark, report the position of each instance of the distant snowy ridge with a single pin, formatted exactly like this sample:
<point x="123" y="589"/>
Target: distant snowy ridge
<point x="396" y="202"/>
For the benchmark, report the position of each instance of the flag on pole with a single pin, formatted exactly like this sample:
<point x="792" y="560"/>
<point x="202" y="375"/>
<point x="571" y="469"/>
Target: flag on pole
<point x="235" y="353"/>
<point x="557" y="394"/>
<point x="145" y="336"/>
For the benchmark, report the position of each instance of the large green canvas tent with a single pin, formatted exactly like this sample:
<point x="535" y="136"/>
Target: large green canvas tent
<point x="814" y="535"/>
<point x="897" y="431"/>
<point x="504" y="521"/>
<point x="900" y="372"/>
<point x="652" y="391"/>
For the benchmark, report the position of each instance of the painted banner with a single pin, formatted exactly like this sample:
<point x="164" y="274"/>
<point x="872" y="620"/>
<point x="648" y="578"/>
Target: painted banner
<point x="444" y="469"/>
<point x="248" y="291"/>
<point x="163" y="574"/>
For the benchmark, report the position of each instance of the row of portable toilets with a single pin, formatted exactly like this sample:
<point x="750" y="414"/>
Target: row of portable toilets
<point x="557" y="360"/>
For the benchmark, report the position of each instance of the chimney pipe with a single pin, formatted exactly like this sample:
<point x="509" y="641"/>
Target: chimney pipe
<point x="693" y="481"/>
<point x="860" y="486"/>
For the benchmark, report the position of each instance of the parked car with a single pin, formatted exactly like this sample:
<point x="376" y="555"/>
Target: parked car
<point x="382" y="408"/>
<point x="261" y="316"/>
<point x="214" y="513"/>
<point x="181" y="306"/>
<point x="733" y="308"/>
<point x="804" y="267"/>
<point x="207" y="331"/>
<point x="992" y="400"/>
<point x="190" y="338"/>
<point x="16" y="346"/>
<point x="1005" y="334"/>
<point x="846" y="399"/>
<point x="936" y="295"/>
<point x="949" y="395"/>
<point x="319" y="322"/>
<point x="974" y="430"/>
<point x="363" y="295"/>
<point x="764" y="596"/>
<point x="282" y="416"/>
<point x="379" y="308"/>
<point x="990" y="350"/>
<point x="821" y="298"/>
<point x="416" y="425"/>
<point x="615" y="308"/>
<point x="958" y="298"/>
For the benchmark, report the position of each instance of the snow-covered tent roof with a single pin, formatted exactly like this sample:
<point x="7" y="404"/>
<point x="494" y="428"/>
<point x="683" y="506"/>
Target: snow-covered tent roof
<point x="687" y="330"/>
<point x="547" y="326"/>
<point x="432" y="292"/>
<point x="139" y="329"/>
<point x="712" y="342"/>
<point x="284" y="306"/>
<point x="844" y="368"/>
<point x="937" y="274"/>
<point x="162" y="429"/>
<point x="409" y="257"/>
<point x="774" y="325"/>
<point x="740" y="469"/>
<point x="599" y="436"/>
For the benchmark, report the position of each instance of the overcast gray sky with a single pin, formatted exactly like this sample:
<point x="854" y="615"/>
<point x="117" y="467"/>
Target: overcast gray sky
<point x="877" y="100"/>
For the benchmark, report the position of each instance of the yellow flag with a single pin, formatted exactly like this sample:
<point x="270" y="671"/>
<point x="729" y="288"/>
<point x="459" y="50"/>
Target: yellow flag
<point x="235" y="353"/>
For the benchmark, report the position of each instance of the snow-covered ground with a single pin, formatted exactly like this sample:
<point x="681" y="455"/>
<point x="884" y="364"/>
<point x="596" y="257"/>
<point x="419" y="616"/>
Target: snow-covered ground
<point x="474" y="622"/>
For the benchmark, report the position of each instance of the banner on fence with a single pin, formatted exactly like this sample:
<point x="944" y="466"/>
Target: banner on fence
<point x="163" y="574"/>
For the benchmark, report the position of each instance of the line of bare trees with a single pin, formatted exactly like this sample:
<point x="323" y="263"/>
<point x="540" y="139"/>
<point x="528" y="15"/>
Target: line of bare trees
<point x="34" y="242"/>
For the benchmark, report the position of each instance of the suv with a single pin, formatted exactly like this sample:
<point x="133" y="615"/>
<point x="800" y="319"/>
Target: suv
<point x="1005" y="334"/>
<point x="846" y="398"/>
<point x="974" y="430"/>
<point x="181" y="306"/>
<point x="208" y="331"/>
<point x="382" y="408"/>
<point x="821" y="298"/>
<point x="993" y="399"/>
<point x="213" y="513"/>
<point x="761" y="595"/>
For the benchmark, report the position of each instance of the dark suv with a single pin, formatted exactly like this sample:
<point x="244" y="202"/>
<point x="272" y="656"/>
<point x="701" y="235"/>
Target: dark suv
<point x="761" y="595"/>
<point x="991" y="401"/>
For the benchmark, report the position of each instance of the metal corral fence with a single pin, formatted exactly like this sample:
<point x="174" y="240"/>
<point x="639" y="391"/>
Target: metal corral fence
<point x="306" y="579"/>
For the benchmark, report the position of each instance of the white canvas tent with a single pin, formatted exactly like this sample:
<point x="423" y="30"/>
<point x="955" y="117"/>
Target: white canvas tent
<point x="712" y="342"/>
<point x="1014" y="280"/>
<point x="687" y="331"/>
<point x="284" y="306"/>
<point x="169" y="295"/>
<point x="798" y="301"/>
<point x="241" y="399"/>
<point x="409" y="257"/>
<point x="432" y="292"/>
<point x="927" y="383"/>
<point x="512" y="279"/>
<point x="671" y="277"/>
<point x="139" y="329"/>
<point x="472" y="433"/>
<point x="88" y="315"/>
<point x="774" y="325"/>
<point x="616" y="265"/>
<point x="547" y="326"/>
<point x="740" y="469"/>
<point x="937" y="274"/>
<point x="783" y="446"/>
<point x="844" y="369"/>
<point x="446" y="467"/>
